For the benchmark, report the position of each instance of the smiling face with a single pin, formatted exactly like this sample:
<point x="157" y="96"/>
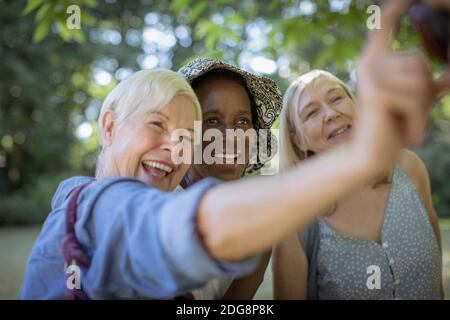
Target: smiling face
<point x="142" y="146"/>
<point x="225" y="105"/>
<point x="326" y="115"/>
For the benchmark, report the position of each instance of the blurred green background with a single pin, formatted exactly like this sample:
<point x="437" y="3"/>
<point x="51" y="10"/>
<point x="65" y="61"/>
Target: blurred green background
<point x="53" y="81"/>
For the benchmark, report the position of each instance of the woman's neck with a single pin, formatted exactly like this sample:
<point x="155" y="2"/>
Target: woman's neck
<point x="105" y="171"/>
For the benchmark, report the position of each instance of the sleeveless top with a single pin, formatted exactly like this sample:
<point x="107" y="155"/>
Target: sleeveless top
<point x="405" y="265"/>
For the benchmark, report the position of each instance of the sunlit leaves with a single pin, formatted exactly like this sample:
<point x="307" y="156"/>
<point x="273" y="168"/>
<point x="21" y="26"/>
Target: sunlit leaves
<point x="32" y="5"/>
<point x="49" y="12"/>
<point x="304" y="34"/>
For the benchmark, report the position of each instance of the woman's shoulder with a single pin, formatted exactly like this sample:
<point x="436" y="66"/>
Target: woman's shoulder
<point x="66" y="186"/>
<point x="96" y="186"/>
<point x="415" y="170"/>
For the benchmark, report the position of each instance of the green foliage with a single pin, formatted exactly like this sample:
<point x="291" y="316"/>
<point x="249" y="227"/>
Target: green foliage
<point x="56" y="11"/>
<point x="436" y="155"/>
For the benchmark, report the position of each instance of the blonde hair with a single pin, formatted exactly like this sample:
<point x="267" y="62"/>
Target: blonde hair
<point x="290" y="154"/>
<point x="290" y="125"/>
<point x="143" y="92"/>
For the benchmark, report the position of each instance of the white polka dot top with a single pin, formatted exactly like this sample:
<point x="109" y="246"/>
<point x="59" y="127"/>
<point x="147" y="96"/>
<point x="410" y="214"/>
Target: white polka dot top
<point x="405" y="265"/>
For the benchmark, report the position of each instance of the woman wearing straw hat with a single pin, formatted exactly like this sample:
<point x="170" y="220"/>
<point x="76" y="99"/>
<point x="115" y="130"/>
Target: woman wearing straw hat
<point x="232" y="99"/>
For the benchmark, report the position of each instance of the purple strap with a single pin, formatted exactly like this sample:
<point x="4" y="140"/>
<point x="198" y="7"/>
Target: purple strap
<point x="71" y="249"/>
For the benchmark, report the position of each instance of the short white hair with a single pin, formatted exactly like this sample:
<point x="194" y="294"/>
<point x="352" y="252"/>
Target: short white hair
<point x="143" y="92"/>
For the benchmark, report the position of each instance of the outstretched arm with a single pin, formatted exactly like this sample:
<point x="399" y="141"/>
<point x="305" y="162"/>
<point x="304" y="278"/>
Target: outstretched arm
<point x="242" y="218"/>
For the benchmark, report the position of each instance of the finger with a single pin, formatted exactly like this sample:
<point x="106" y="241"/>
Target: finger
<point x="406" y="61"/>
<point x="408" y="74"/>
<point x="411" y="92"/>
<point x="405" y="104"/>
<point x="407" y="84"/>
<point x="408" y="115"/>
<point x="412" y="81"/>
<point x="390" y="16"/>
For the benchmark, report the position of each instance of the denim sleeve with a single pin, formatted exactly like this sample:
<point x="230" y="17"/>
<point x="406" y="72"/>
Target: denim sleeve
<point x="143" y="242"/>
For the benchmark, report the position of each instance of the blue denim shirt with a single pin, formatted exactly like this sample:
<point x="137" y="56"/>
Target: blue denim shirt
<point x="142" y="243"/>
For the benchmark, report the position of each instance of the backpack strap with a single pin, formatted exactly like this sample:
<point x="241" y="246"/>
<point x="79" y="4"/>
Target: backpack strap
<point x="70" y="247"/>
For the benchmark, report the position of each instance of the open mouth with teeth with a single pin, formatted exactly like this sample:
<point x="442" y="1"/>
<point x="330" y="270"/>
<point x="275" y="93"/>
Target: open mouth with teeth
<point x="156" y="169"/>
<point x="226" y="155"/>
<point x="338" y="132"/>
<point x="226" y="158"/>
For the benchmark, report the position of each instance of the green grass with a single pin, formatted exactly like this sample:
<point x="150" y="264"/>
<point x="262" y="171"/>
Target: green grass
<point x="16" y="243"/>
<point x="15" y="246"/>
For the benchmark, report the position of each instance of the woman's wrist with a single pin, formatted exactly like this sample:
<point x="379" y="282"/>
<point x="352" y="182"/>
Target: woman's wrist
<point x="361" y="163"/>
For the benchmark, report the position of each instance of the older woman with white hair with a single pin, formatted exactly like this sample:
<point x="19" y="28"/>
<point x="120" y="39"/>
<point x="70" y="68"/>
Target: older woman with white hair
<point x="122" y="224"/>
